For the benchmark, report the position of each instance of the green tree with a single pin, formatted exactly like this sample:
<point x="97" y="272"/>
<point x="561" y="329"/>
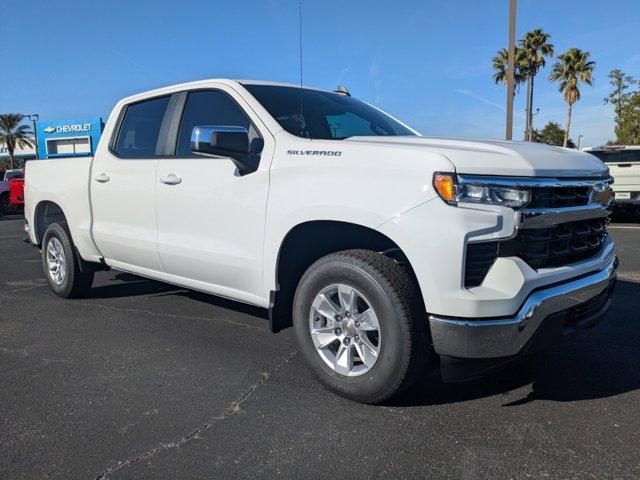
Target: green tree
<point x="619" y="96"/>
<point x="13" y="133"/>
<point x="625" y="104"/>
<point x="500" y="64"/>
<point x="628" y="122"/>
<point x="535" y="47"/>
<point x="572" y="68"/>
<point x="551" y="134"/>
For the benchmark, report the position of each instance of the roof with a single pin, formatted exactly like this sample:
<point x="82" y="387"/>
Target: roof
<point x="277" y="84"/>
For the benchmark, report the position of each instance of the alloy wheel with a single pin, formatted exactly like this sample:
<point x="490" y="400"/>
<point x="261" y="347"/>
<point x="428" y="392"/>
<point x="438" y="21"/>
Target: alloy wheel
<point x="345" y="330"/>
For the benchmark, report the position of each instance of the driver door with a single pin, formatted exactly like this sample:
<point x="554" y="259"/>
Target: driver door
<point x="210" y="218"/>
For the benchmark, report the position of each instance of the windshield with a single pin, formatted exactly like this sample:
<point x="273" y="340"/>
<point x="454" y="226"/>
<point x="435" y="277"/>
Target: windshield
<point x="13" y="174"/>
<point x="617" y="156"/>
<point x="324" y="115"/>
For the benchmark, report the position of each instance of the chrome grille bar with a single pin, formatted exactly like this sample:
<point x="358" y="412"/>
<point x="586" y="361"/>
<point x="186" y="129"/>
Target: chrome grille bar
<point x="543" y="217"/>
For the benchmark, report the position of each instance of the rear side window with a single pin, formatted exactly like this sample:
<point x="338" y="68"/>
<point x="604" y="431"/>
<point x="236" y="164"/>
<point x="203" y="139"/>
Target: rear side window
<point x="210" y="107"/>
<point x="140" y="128"/>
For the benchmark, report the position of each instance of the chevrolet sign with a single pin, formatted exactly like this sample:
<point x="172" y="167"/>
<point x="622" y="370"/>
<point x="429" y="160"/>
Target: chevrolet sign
<point x="80" y="127"/>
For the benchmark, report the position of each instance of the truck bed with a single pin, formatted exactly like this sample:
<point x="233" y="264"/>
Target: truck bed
<point x="63" y="182"/>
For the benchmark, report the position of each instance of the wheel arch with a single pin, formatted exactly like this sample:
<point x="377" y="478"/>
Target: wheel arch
<point x="307" y="242"/>
<point x="46" y="213"/>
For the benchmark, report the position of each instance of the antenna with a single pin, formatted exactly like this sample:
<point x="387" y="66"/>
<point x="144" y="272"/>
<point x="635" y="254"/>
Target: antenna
<point x="301" y="121"/>
<point x="300" y="39"/>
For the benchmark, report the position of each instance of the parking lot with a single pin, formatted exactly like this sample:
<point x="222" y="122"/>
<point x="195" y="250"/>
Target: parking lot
<point x="144" y="380"/>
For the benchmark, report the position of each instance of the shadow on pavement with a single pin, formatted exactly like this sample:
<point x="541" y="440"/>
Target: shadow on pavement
<point x="225" y="303"/>
<point x="625" y="217"/>
<point x="596" y="363"/>
<point x="10" y="217"/>
<point x="133" y="286"/>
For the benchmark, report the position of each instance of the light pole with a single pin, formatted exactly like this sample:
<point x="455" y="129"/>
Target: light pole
<point x="34" y="117"/>
<point x="510" y="72"/>
<point x="530" y="134"/>
<point x="579" y="137"/>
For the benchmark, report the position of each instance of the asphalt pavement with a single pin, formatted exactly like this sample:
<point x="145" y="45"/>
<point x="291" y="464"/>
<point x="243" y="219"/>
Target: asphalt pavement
<point x="145" y="380"/>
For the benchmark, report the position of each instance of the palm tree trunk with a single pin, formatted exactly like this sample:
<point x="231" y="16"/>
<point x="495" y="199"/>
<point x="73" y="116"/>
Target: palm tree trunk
<point x="10" y="160"/>
<point x="566" y="130"/>
<point x="530" y="99"/>
<point x="527" y="122"/>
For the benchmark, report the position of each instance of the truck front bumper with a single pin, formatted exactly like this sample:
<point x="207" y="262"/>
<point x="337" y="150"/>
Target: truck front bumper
<point x="546" y="316"/>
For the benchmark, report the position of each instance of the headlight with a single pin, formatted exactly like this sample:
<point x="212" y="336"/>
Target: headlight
<point x="453" y="191"/>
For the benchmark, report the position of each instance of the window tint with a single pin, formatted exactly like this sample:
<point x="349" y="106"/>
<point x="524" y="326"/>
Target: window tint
<point x="324" y="115"/>
<point x="349" y="125"/>
<point x="13" y="174"/>
<point x="140" y="128"/>
<point x="210" y="107"/>
<point x="617" y="156"/>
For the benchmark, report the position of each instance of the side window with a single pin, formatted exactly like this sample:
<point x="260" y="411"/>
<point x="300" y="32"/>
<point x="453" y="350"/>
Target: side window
<point x="140" y="128"/>
<point x="210" y="107"/>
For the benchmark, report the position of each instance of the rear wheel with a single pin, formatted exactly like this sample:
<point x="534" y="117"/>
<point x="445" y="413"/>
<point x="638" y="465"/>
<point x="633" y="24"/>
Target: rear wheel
<point x="357" y="316"/>
<point x="6" y="208"/>
<point x="67" y="274"/>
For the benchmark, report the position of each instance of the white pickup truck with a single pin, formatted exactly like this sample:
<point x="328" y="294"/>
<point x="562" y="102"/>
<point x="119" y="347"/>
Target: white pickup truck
<point x="624" y="165"/>
<point x="385" y="249"/>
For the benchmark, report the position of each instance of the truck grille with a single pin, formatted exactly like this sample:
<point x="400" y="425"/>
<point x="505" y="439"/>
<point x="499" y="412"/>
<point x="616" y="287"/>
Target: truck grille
<point x="559" y="197"/>
<point x="550" y="247"/>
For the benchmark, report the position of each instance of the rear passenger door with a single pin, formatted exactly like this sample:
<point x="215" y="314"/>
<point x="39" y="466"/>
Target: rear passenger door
<point x="123" y="187"/>
<point x="211" y="218"/>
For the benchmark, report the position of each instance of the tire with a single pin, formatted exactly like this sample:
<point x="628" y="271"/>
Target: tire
<point x="77" y="275"/>
<point x="5" y="206"/>
<point x="401" y="339"/>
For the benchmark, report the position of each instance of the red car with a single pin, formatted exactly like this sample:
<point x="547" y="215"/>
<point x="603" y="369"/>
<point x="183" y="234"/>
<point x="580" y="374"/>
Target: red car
<point x="16" y="192"/>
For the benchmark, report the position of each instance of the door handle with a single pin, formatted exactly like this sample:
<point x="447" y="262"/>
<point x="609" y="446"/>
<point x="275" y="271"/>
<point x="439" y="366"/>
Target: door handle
<point x="102" y="178"/>
<point x="171" y="179"/>
<point x="624" y="165"/>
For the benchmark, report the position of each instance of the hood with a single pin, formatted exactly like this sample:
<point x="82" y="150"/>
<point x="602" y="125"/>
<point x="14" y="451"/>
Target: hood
<point x="495" y="157"/>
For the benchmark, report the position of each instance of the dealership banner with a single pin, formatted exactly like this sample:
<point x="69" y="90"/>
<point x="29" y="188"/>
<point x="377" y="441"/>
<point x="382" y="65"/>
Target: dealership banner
<point x="68" y="138"/>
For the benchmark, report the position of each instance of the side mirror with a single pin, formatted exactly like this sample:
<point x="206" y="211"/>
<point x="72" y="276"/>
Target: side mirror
<point x="232" y="142"/>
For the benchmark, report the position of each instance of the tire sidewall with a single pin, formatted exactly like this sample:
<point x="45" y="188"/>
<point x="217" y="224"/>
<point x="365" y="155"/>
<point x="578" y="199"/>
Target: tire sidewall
<point x="65" y="289"/>
<point x="390" y="363"/>
<point x="5" y="206"/>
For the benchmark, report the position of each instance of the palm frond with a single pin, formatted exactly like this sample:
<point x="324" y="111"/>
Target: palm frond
<point x="500" y="65"/>
<point x="572" y="68"/>
<point x="535" y="45"/>
<point x="14" y="133"/>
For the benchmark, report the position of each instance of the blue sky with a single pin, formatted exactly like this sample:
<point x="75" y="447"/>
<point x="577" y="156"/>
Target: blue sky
<point x="427" y="62"/>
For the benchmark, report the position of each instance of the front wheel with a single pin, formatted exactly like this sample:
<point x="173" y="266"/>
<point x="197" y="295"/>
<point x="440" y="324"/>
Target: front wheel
<point x="359" y="322"/>
<point x="67" y="274"/>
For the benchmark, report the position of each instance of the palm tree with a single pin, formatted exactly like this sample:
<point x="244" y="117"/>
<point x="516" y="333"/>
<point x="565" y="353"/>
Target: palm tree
<point x="572" y="68"/>
<point x="500" y="66"/>
<point x="535" y="46"/>
<point x="13" y="134"/>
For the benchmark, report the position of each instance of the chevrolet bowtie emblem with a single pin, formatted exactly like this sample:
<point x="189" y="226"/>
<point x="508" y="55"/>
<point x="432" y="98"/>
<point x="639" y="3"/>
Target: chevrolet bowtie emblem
<point x="49" y="129"/>
<point x="602" y="193"/>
